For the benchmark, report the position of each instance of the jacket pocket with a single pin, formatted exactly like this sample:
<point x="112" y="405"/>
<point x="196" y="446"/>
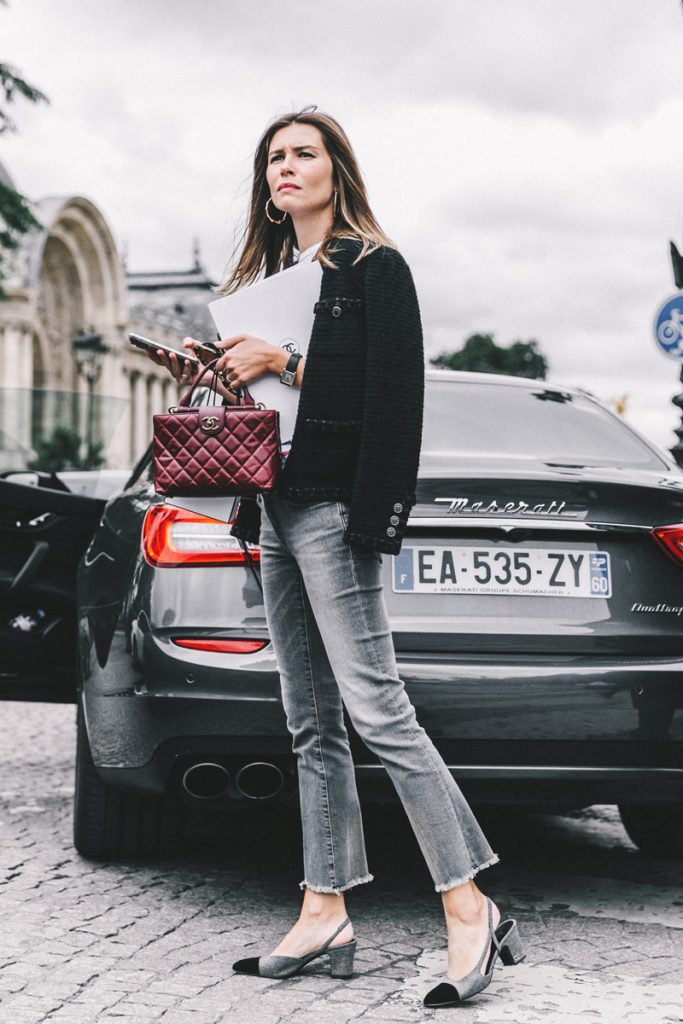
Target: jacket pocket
<point x="330" y="448"/>
<point x="339" y="307"/>
<point x="326" y="426"/>
<point x="339" y="327"/>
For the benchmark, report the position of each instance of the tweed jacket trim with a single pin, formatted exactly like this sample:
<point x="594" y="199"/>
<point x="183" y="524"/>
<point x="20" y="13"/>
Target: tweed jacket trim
<point x="358" y="429"/>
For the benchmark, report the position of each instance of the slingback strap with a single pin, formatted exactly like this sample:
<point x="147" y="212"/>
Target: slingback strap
<point x="496" y="942"/>
<point x="335" y="934"/>
<point x="487" y="947"/>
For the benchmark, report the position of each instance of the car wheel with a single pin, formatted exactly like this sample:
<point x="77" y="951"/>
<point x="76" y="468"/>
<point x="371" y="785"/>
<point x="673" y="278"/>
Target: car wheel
<point x="111" y="823"/>
<point x="656" y="829"/>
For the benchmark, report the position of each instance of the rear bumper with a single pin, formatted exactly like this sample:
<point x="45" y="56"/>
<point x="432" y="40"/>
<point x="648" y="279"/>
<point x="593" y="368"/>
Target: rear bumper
<point x="546" y="785"/>
<point x="512" y="729"/>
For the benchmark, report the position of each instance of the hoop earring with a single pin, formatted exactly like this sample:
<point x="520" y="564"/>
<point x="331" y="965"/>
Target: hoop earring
<point x="272" y="219"/>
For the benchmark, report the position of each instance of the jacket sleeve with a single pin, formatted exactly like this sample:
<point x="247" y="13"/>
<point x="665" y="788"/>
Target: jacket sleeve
<point x="391" y="430"/>
<point x="247" y="524"/>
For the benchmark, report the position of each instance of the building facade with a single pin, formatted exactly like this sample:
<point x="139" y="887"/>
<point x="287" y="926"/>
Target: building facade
<point x="65" y="281"/>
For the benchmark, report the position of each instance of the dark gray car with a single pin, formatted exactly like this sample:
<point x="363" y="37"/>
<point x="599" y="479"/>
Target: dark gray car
<point x="536" y="609"/>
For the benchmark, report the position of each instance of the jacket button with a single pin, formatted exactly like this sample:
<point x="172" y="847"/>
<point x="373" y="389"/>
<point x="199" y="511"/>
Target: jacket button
<point x="398" y="507"/>
<point x="391" y="532"/>
<point x="336" y="311"/>
<point x="394" y="520"/>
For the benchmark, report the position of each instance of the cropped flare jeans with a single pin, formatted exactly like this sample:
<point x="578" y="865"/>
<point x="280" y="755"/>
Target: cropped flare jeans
<point x="329" y="628"/>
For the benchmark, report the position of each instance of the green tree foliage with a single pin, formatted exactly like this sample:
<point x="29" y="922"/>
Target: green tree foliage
<point x="12" y="85"/>
<point x="61" y="450"/>
<point x="481" y="354"/>
<point x="15" y="220"/>
<point x="16" y="217"/>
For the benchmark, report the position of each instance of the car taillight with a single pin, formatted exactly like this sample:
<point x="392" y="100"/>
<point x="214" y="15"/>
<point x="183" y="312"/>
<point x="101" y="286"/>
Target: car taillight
<point x="671" y="539"/>
<point x="221" y="646"/>
<point x="176" y="537"/>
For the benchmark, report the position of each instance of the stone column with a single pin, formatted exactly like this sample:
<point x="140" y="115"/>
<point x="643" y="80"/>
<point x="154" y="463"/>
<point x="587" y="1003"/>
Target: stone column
<point x="156" y="398"/>
<point x="142" y="430"/>
<point x="16" y="360"/>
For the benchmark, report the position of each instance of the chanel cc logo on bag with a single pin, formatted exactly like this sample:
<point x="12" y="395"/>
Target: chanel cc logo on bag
<point x="210" y="424"/>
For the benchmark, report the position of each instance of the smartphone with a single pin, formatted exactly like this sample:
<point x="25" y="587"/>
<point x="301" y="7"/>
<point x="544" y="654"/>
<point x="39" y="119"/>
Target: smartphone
<point x="146" y="344"/>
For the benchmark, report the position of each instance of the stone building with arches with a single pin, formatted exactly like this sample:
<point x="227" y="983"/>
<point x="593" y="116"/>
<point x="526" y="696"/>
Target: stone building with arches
<point x="68" y="278"/>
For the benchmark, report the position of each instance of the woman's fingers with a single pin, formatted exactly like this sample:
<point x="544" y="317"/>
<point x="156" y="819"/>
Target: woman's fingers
<point x="223" y="369"/>
<point x="230" y="342"/>
<point x="180" y="368"/>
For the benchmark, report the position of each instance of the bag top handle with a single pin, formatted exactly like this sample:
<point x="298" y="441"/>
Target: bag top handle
<point x="185" y="400"/>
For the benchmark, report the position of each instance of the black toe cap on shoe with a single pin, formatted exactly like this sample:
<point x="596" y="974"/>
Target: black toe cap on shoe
<point x="441" y="995"/>
<point x="249" y="965"/>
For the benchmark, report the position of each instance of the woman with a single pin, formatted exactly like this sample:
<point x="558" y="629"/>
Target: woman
<point x="346" y="488"/>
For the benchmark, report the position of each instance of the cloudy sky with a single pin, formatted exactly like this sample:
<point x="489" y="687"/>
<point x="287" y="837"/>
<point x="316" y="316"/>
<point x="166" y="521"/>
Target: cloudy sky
<point x="525" y="155"/>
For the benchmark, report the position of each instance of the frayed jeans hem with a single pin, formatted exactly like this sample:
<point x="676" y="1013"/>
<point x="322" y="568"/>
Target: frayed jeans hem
<point x="336" y="890"/>
<point x="465" y="878"/>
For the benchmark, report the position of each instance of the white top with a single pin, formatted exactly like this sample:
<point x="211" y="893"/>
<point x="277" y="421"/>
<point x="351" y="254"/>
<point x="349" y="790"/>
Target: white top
<point x="307" y="255"/>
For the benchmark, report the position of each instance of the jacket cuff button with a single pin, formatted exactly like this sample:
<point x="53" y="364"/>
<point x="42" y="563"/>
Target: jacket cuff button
<point x="398" y="507"/>
<point x="391" y="532"/>
<point x="394" y="520"/>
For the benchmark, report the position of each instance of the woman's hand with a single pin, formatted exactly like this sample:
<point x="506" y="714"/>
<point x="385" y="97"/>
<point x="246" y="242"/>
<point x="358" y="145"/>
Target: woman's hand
<point x="247" y="358"/>
<point x="178" y="367"/>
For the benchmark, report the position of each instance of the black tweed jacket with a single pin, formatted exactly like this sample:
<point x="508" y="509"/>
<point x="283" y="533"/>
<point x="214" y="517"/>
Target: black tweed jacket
<point x="358" y="429"/>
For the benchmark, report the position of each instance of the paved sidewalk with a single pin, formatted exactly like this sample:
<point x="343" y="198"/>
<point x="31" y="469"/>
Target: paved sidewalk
<point x="97" y="944"/>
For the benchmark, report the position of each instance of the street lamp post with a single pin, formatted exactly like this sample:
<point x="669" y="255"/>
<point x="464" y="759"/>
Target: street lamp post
<point x="89" y="351"/>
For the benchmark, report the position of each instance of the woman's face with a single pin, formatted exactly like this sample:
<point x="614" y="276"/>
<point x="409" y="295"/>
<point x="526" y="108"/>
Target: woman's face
<point x="299" y="170"/>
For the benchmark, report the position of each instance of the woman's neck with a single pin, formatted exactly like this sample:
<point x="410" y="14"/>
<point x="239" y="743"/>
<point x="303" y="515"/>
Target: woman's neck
<point x="311" y="229"/>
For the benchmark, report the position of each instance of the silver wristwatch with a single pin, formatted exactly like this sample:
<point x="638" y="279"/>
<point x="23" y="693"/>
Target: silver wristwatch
<point x="289" y="373"/>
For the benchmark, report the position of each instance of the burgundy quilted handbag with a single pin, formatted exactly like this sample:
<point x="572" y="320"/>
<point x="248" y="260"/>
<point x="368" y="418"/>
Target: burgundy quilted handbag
<point x="216" y="449"/>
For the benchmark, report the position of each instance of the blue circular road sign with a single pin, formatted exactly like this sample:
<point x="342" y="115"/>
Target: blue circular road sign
<point x="669" y="327"/>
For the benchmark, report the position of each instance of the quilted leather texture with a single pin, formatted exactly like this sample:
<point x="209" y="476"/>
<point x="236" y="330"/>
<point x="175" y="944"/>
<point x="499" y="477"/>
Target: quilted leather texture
<point x="213" y="449"/>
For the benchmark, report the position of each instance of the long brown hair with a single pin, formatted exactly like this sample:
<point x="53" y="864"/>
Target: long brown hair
<point x="269" y="247"/>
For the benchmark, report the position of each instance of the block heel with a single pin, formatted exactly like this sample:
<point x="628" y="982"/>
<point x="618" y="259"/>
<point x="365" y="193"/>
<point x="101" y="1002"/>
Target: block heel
<point x="511" y="948"/>
<point x="341" y="959"/>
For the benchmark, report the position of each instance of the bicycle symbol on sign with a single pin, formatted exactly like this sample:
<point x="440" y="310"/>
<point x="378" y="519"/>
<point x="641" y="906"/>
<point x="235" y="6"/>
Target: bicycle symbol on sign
<point x="670" y="333"/>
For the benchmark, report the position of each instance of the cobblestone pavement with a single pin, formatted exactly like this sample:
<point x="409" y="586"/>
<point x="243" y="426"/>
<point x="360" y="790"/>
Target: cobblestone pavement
<point x="82" y="943"/>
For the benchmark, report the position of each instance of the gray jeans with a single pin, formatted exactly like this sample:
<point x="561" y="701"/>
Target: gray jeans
<point x="329" y="627"/>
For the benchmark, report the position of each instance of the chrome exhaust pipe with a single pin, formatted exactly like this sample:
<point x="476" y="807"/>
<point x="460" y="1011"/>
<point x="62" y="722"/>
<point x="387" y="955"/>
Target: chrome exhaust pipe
<point x="206" y="780"/>
<point x="259" y="780"/>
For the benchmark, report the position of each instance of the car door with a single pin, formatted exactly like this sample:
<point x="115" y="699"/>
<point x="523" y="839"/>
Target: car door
<point x="44" y="531"/>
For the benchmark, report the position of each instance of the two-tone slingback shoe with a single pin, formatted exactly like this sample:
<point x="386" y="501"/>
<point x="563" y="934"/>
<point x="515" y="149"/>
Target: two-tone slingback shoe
<point x="277" y="966"/>
<point x="504" y="942"/>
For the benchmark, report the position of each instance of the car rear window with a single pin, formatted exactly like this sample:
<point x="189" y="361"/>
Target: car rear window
<point x="543" y="423"/>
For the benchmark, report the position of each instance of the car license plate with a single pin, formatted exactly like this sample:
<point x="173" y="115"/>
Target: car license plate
<point x="540" y="572"/>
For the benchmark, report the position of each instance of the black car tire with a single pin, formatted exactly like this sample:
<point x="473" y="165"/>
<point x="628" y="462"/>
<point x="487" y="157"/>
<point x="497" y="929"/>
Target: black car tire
<point x="656" y="829"/>
<point x="111" y="823"/>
